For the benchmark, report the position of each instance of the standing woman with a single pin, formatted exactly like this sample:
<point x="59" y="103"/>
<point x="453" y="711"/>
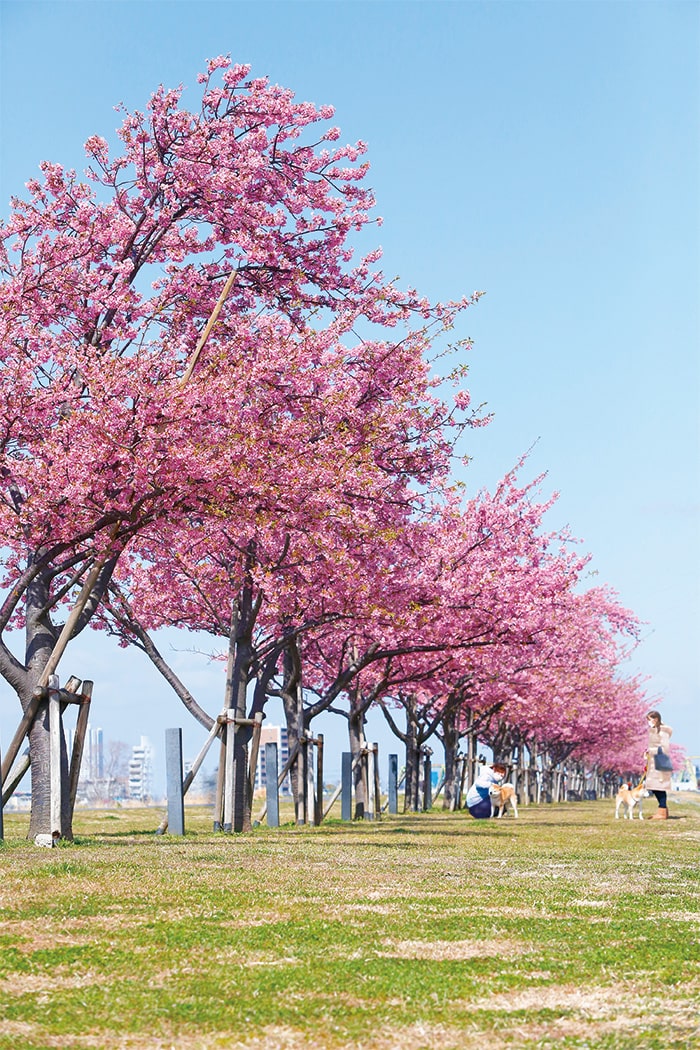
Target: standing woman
<point x="659" y="768"/>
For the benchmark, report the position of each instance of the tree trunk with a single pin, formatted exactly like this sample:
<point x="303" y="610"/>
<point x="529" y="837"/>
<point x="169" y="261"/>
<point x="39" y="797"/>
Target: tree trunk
<point x="233" y="796"/>
<point x="412" y="783"/>
<point x="292" y="703"/>
<point x="242" y="802"/>
<point x="40" y="638"/>
<point x="450" y="741"/>
<point x="356" y="736"/>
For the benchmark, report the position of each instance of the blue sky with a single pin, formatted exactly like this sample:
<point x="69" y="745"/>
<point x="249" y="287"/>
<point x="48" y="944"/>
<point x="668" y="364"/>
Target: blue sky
<point x="546" y="153"/>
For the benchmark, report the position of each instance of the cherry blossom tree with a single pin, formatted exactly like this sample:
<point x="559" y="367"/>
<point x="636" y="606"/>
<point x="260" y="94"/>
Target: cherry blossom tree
<point x="531" y="657"/>
<point x="125" y="405"/>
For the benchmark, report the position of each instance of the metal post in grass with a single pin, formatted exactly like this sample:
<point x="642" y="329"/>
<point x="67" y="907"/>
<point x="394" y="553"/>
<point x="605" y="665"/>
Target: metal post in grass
<point x="310" y="793"/>
<point x="173" y="776"/>
<point x="272" y="791"/>
<point x="298" y="779"/>
<point x="196" y="765"/>
<point x="220" y="777"/>
<point x="361" y="801"/>
<point x="346" y="786"/>
<point x="282" y="776"/>
<point x="334" y="797"/>
<point x="302" y="780"/>
<point x="369" y="790"/>
<point x="229" y="777"/>
<point x="318" y="813"/>
<point x="393" y="783"/>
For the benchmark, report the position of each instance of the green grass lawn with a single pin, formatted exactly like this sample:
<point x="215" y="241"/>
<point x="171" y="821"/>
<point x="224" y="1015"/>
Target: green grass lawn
<point x="564" y="928"/>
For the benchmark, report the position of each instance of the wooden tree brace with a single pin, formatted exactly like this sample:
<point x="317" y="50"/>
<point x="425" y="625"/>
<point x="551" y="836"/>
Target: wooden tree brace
<point x="12" y="782"/>
<point x="228" y="717"/>
<point x="26" y="722"/>
<point x="253" y="758"/>
<point x="68" y="695"/>
<point x="83" y="700"/>
<point x="73" y="698"/>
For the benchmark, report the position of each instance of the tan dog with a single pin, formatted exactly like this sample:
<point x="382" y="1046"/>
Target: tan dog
<point x="501" y="797"/>
<point x="629" y="798"/>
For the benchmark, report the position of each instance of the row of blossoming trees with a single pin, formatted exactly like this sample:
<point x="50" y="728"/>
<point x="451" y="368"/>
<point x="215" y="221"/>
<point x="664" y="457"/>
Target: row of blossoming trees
<point x="279" y="478"/>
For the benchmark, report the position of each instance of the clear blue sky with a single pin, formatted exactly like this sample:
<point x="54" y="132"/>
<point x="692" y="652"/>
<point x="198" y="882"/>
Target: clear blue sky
<point x="546" y="153"/>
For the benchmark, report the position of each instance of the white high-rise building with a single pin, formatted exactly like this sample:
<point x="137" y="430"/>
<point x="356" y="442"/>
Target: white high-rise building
<point x="141" y="771"/>
<point x="93" y="755"/>
<point x="273" y="735"/>
<point x="92" y="766"/>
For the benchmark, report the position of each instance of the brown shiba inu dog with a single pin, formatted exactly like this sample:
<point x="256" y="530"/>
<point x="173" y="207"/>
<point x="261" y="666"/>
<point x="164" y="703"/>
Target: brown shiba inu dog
<point x="501" y="796"/>
<point x="629" y="798"/>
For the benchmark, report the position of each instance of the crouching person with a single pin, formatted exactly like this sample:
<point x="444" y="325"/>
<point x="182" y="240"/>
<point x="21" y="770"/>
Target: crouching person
<point x="478" y="796"/>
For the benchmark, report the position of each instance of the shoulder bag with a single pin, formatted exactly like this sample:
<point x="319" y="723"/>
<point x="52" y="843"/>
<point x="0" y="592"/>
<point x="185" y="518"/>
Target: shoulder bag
<point x="662" y="762"/>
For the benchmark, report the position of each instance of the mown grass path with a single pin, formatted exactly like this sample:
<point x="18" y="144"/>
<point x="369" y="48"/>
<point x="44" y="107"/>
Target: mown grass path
<point x="562" y="929"/>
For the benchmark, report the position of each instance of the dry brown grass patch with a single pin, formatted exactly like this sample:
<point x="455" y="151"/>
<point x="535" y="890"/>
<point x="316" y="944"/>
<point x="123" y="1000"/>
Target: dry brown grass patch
<point x="440" y="951"/>
<point x="38" y="983"/>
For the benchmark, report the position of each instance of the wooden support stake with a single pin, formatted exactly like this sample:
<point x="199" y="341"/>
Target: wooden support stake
<point x="14" y="779"/>
<point x="440" y="786"/>
<point x="25" y="725"/>
<point x="2" y="827"/>
<point x="254" y="748"/>
<point x="377" y="785"/>
<point x="463" y="781"/>
<point x="196" y="765"/>
<point x="81" y="724"/>
<point x="55" y="758"/>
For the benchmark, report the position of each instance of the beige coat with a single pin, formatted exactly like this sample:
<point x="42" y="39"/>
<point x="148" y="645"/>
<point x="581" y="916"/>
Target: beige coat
<point x="656" y="780"/>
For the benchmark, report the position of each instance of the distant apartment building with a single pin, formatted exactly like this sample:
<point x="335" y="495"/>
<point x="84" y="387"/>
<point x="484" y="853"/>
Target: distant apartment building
<point x="92" y="766"/>
<point x="273" y="735"/>
<point x="141" y="771"/>
<point x="94" y="755"/>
